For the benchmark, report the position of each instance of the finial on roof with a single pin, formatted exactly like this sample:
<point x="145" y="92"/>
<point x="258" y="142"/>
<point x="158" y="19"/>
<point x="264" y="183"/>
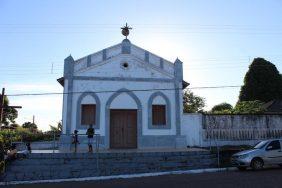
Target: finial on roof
<point x="125" y="30"/>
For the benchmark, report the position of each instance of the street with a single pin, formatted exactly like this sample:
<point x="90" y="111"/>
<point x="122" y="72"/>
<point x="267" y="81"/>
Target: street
<point x="264" y="178"/>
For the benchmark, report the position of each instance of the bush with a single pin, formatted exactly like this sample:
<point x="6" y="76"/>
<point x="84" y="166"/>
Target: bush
<point x="222" y="108"/>
<point x="23" y="135"/>
<point x="249" y="107"/>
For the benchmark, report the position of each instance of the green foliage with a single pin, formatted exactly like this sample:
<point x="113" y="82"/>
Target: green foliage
<point x="222" y="108"/>
<point x="262" y="82"/>
<point x="14" y="125"/>
<point x="9" y="114"/>
<point x="57" y="128"/>
<point x="249" y="107"/>
<point x="29" y="125"/>
<point x="192" y="103"/>
<point x="8" y="136"/>
<point x="21" y="134"/>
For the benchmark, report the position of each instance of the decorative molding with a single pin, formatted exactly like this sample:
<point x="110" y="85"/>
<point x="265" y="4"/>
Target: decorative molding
<point x="134" y="58"/>
<point x="104" y="54"/>
<point x="146" y="59"/>
<point x="178" y="74"/>
<point x="123" y="79"/>
<point x="167" y="111"/>
<point x="68" y="74"/>
<point x="162" y="63"/>
<point x="125" y="47"/>
<point x="89" y="61"/>
<point x="78" y="110"/>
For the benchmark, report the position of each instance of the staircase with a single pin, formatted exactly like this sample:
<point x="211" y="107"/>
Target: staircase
<point x="40" y="166"/>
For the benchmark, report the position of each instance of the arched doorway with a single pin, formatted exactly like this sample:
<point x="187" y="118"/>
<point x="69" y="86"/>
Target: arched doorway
<point x="123" y="120"/>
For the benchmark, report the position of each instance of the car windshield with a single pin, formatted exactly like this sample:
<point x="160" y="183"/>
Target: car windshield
<point x="261" y="144"/>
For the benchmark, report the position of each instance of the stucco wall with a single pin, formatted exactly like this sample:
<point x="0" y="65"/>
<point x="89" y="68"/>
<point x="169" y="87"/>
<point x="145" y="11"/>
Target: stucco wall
<point x="191" y="128"/>
<point x="124" y="101"/>
<point x="206" y="130"/>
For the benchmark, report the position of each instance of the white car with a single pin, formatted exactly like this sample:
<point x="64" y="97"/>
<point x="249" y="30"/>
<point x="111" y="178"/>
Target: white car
<point x="266" y="152"/>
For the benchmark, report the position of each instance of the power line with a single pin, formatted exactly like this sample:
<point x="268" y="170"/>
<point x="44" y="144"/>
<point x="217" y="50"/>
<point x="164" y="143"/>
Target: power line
<point x="114" y="91"/>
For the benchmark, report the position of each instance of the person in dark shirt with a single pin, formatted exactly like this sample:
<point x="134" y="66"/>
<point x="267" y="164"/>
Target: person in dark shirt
<point x="28" y="147"/>
<point x="75" y="140"/>
<point x="90" y="134"/>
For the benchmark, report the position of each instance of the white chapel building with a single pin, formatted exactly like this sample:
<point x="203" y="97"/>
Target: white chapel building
<point x="132" y="98"/>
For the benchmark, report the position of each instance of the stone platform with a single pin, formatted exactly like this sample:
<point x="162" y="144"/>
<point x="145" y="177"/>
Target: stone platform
<point x="39" y="166"/>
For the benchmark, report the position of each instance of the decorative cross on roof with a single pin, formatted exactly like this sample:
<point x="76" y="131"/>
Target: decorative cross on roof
<point x="125" y="30"/>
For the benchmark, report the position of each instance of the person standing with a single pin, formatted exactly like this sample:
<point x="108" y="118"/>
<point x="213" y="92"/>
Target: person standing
<point x="75" y="140"/>
<point x="90" y="134"/>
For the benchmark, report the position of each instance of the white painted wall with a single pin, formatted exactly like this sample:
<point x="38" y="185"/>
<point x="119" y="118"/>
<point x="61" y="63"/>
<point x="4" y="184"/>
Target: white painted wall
<point x="159" y="100"/>
<point x="113" y="68"/>
<point x="192" y="129"/>
<point x="88" y="100"/>
<point x="64" y="113"/>
<point x="124" y="101"/>
<point x="229" y="130"/>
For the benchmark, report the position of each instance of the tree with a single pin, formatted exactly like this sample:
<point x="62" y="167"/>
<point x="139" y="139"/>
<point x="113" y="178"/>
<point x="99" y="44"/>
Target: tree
<point x="29" y="125"/>
<point x="192" y="103"/>
<point x="262" y="82"/>
<point x="57" y="129"/>
<point x="14" y="125"/>
<point x="222" y="108"/>
<point x="249" y="107"/>
<point x="9" y="114"/>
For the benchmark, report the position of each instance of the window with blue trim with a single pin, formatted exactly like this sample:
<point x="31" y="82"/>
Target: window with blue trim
<point x="159" y="115"/>
<point x="88" y="114"/>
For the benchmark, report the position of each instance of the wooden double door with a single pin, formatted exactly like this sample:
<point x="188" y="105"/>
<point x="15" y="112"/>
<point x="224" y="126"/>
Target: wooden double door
<point x="123" y="129"/>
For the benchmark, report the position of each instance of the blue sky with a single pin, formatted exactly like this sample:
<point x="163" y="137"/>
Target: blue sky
<point x="216" y="40"/>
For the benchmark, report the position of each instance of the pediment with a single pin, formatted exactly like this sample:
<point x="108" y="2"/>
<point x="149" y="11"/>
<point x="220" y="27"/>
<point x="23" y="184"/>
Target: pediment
<point x="123" y="65"/>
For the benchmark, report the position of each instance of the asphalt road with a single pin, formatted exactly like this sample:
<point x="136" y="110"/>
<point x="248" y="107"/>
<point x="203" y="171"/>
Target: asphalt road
<point x="264" y="178"/>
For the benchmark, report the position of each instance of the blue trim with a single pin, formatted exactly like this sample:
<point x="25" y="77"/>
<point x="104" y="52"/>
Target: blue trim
<point x="125" y="47"/>
<point x="68" y="74"/>
<point x="89" y="61"/>
<point x="107" y="115"/>
<point x="146" y="56"/>
<point x="124" y="79"/>
<point x="178" y="74"/>
<point x="78" y="110"/>
<point x="168" y="111"/>
<point x="104" y="54"/>
<point x="161" y="63"/>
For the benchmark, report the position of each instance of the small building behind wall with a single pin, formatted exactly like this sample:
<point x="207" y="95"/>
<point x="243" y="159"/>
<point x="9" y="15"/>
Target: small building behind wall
<point x="132" y="97"/>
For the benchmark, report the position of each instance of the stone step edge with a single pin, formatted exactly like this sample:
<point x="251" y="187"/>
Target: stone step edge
<point x="125" y="176"/>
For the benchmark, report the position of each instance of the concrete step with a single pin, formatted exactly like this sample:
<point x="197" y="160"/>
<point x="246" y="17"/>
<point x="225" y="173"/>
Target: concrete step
<point x="107" y="164"/>
<point x="59" y="161"/>
<point x="75" y="165"/>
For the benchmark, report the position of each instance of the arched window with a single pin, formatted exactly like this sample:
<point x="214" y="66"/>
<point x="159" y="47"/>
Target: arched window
<point x="159" y="111"/>
<point x="88" y="111"/>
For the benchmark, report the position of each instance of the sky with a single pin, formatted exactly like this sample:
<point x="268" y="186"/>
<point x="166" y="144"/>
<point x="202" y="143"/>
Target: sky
<point x="216" y="41"/>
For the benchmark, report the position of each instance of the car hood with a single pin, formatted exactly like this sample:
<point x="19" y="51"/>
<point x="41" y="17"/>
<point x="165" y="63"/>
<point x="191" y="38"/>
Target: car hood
<point x="245" y="152"/>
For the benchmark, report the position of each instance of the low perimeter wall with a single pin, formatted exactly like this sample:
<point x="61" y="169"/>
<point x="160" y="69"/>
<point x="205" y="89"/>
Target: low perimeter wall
<point x="205" y="130"/>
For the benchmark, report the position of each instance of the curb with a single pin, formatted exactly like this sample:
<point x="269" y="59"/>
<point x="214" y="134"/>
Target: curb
<point x="126" y="176"/>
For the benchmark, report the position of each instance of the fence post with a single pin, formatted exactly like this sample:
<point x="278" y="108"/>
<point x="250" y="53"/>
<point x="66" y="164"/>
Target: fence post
<point x="97" y="153"/>
<point x="218" y="161"/>
<point x="54" y="138"/>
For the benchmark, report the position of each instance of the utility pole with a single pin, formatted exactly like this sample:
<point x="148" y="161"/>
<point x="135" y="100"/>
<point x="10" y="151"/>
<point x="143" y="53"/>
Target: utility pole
<point x="33" y="119"/>
<point x="2" y="107"/>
